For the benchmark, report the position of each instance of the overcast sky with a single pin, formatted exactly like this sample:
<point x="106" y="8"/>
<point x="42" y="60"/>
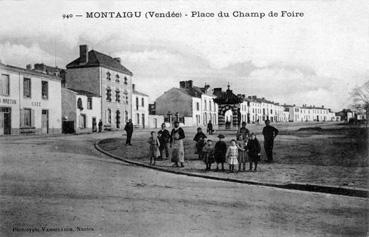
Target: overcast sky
<point x="313" y="60"/>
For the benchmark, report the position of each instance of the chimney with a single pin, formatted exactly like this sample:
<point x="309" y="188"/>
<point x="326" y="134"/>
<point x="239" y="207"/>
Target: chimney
<point x="29" y="67"/>
<point x="40" y="67"/>
<point x="182" y="84"/>
<point x="83" y="54"/>
<point x="117" y="59"/>
<point x="133" y="86"/>
<point x="188" y="84"/>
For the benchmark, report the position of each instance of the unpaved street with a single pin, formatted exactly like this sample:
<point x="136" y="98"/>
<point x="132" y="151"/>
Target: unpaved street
<point x="61" y="186"/>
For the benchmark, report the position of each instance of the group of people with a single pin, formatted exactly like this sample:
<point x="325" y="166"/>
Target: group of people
<point x="161" y="142"/>
<point x="245" y="148"/>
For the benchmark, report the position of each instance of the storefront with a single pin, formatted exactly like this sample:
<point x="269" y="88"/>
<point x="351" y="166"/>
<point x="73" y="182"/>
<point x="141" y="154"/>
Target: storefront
<point x="30" y="102"/>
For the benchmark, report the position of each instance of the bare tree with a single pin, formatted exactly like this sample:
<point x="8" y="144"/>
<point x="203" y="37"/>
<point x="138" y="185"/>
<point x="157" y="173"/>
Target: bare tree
<point x="360" y="96"/>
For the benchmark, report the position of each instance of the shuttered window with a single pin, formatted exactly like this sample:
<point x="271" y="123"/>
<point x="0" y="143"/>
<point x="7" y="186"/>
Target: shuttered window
<point x="27" y="87"/>
<point x="45" y="90"/>
<point x="27" y="118"/>
<point x="4" y="85"/>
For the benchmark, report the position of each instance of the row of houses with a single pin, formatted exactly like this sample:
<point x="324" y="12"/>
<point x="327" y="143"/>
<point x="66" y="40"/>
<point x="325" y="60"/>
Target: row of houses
<point x="96" y="87"/>
<point x="196" y="106"/>
<point x="49" y="100"/>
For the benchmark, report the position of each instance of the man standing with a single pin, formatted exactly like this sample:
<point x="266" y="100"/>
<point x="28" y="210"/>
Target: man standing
<point x="129" y="131"/>
<point x="210" y="128"/>
<point x="100" y="125"/>
<point x="164" y="139"/>
<point x="269" y="133"/>
<point x="243" y="131"/>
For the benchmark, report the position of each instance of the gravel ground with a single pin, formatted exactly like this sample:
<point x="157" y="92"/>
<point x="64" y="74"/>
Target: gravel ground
<point x="334" y="155"/>
<point x="62" y="184"/>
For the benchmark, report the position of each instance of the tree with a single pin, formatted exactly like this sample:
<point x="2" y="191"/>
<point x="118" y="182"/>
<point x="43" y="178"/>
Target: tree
<point x="360" y="97"/>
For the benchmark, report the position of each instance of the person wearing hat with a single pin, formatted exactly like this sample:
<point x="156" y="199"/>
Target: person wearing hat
<point x="220" y="151"/>
<point x="176" y="142"/>
<point x="269" y="133"/>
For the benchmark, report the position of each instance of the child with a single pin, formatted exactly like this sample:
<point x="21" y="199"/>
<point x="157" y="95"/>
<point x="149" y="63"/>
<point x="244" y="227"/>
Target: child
<point x="253" y="147"/>
<point x="200" y="142"/>
<point x="208" y="154"/>
<point x="154" y="147"/>
<point x="232" y="155"/>
<point x="241" y="144"/>
<point x="220" y="150"/>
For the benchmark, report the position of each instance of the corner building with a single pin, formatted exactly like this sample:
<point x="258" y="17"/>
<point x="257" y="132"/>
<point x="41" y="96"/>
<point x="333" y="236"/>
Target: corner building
<point x="104" y="76"/>
<point x="30" y="101"/>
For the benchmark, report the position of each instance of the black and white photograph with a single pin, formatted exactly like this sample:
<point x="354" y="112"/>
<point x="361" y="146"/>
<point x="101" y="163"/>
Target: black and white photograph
<point x="184" y="118"/>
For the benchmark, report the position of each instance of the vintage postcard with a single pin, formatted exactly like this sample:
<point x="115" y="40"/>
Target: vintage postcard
<point x="184" y="118"/>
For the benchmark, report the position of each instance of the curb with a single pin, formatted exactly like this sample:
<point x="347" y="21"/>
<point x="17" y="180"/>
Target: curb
<point x="336" y="190"/>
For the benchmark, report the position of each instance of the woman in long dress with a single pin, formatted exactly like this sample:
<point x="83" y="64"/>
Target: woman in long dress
<point x="177" y="137"/>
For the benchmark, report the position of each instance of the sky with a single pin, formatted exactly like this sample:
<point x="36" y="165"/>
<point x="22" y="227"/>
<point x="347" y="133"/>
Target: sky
<point x="316" y="59"/>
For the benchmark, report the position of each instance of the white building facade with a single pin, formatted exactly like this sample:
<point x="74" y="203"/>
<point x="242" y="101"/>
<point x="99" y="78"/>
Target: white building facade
<point x="140" y="108"/>
<point x="104" y="76"/>
<point x="30" y="102"/>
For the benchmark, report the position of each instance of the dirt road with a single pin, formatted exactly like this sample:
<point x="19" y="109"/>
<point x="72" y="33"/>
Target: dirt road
<point x="61" y="186"/>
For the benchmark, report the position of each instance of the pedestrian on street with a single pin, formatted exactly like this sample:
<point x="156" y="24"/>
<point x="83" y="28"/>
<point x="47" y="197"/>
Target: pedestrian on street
<point x="232" y="155"/>
<point x="269" y="133"/>
<point x="164" y="139"/>
<point x="220" y="151"/>
<point x="253" y="149"/>
<point x="100" y="125"/>
<point x="243" y="131"/>
<point x="129" y="130"/>
<point x="176" y="142"/>
<point x="210" y="128"/>
<point x="242" y="154"/>
<point x="200" y="142"/>
<point x="154" y="147"/>
<point x="208" y="154"/>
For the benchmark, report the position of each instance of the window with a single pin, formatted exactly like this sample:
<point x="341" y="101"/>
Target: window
<point x="210" y="105"/>
<point x="127" y="100"/>
<point x="27" y="118"/>
<point x="4" y="85"/>
<point x="197" y="106"/>
<point x="109" y="116"/>
<point x="136" y="103"/>
<point x="117" y="96"/>
<point x="108" y="76"/>
<point x="125" y="80"/>
<point x="89" y="102"/>
<point x="27" y="87"/>
<point x="108" y="94"/>
<point x="142" y="102"/>
<point x="82" y="121"/>
<point x="138" y="118"/>
<point x="126" y="115"/>
<point x="117" y="78"/>
<point x="45" y="89"/>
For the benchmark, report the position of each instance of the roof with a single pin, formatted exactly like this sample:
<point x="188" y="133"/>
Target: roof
<point x="97" y="59"/>
<point x="86" y="93"/>
<point x="228" y="97"/>
<point x="29" y="71"/>
<point x="193" y="91"/>
<point x="139" y="93"/>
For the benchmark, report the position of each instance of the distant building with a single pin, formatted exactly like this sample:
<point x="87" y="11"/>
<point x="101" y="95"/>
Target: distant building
<point x="140" y="108"/>
<point x="189" y="104"/>
<point x="81" y="111"/>
<point x="104" y="76"/>
<point x="30" y="101"/>
<point x="310" y="113"/>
